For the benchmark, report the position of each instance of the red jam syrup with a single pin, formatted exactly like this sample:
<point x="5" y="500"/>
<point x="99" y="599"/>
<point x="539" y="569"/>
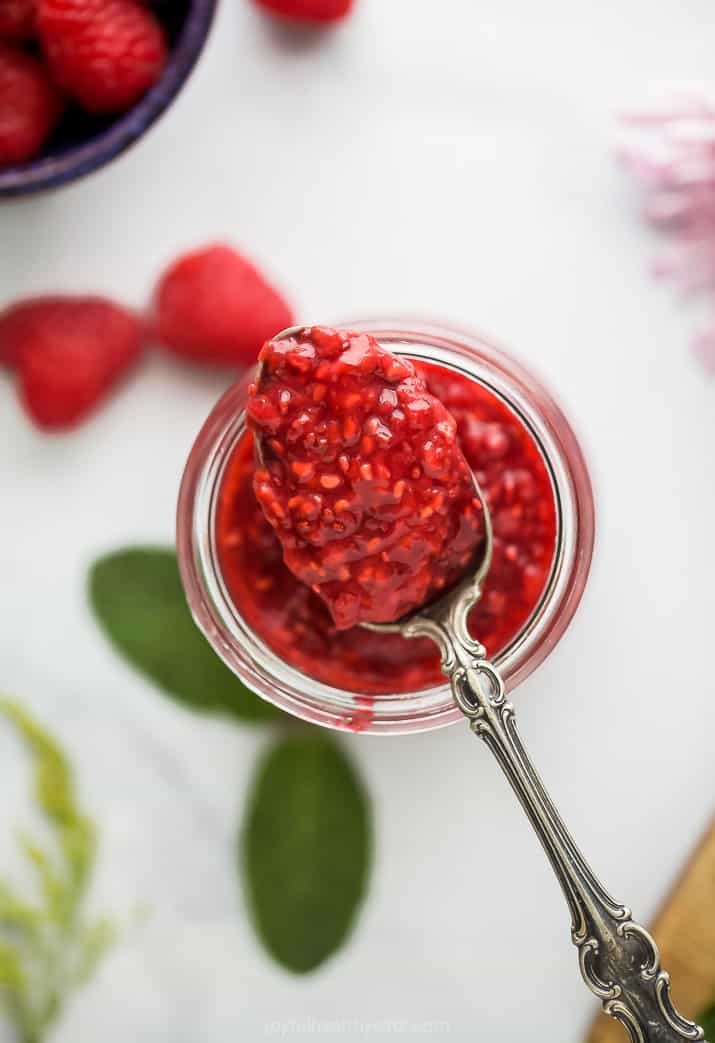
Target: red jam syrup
<point x="361" y="476"/>
<point x="296" y="623"/>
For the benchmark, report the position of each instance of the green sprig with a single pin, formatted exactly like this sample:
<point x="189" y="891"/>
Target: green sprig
<point x="48" y="945"/>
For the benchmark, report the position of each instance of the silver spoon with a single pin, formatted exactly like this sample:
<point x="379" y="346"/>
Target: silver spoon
<point x="618" y="957"/>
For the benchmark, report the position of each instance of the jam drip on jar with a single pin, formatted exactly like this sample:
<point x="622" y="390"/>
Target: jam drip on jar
<point x="361" y="475"/>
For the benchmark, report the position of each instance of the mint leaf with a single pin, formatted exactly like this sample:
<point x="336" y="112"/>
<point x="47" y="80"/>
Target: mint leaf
<point x="138" y="599"/>
<point x="707" y="1022"/>
<point x="306" y="850"/>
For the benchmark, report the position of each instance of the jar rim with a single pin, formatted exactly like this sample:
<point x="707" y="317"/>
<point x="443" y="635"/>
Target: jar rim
<point x="261" y="669"/>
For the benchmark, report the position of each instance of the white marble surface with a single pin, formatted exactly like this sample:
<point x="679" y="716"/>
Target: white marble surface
<point x="450" y="159"/>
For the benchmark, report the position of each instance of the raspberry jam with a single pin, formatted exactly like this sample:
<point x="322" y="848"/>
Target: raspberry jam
<point x="295" y="623"/>
<point x="361" y="476"/>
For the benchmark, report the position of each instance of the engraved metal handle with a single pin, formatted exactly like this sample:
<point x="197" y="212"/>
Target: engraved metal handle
<point x="619" y="959"/>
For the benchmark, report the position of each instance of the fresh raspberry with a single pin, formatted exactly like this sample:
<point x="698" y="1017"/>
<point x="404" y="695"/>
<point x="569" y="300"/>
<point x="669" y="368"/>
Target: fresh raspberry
<point x="17" y="19"/>
<point x="29" y="106"/>
<point x="105" y="53"/>
<point x="309" y="10"/>
<point x="361" y="475"/>
<point x="69" y="351"/>
<point x="214" y="306"/>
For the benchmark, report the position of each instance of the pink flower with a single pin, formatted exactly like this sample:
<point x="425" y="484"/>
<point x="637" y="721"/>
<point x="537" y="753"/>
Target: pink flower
<point x="671" y="150"/>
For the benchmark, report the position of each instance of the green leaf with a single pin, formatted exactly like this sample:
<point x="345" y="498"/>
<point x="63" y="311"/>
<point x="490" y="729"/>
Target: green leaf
<point x="53" y="776"/>
<point x="52" y="884"/>
<point x="12" y="977"/>
<point x="15" y="913"/>
<point x="137" y="596"/>
<point x="707" y="1022"/>
<point x="307" y="846"/>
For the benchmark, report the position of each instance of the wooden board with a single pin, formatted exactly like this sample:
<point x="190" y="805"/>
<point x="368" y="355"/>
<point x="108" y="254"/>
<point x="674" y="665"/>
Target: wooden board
<point x="685" y="932"/>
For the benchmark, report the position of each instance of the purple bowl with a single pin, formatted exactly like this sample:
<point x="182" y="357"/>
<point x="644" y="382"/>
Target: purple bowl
<point x="83" y="143"/>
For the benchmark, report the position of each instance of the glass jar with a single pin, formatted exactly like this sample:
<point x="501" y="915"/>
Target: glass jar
<point x="297" y="693"/>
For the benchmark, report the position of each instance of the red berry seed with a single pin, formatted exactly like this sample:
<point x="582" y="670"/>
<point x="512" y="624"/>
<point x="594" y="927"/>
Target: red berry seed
<point x="373" y="548"/>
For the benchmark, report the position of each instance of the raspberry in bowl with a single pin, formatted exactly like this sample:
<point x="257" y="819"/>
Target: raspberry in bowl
<point x="82" y="80"/>
<point x="279" y="635"/>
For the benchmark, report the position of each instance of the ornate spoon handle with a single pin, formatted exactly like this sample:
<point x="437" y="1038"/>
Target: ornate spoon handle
<point x="618" y="958"/>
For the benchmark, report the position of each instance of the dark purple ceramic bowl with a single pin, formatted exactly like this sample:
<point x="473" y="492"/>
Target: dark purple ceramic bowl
<point x="83" y="143"/>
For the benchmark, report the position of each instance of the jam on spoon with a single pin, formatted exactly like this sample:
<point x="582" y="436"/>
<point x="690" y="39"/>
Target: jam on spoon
<point x="295" y="622"/>
<point x="361" y="475"/>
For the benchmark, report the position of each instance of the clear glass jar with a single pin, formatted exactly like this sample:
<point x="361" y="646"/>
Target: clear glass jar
<point x="297" y="693"/>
